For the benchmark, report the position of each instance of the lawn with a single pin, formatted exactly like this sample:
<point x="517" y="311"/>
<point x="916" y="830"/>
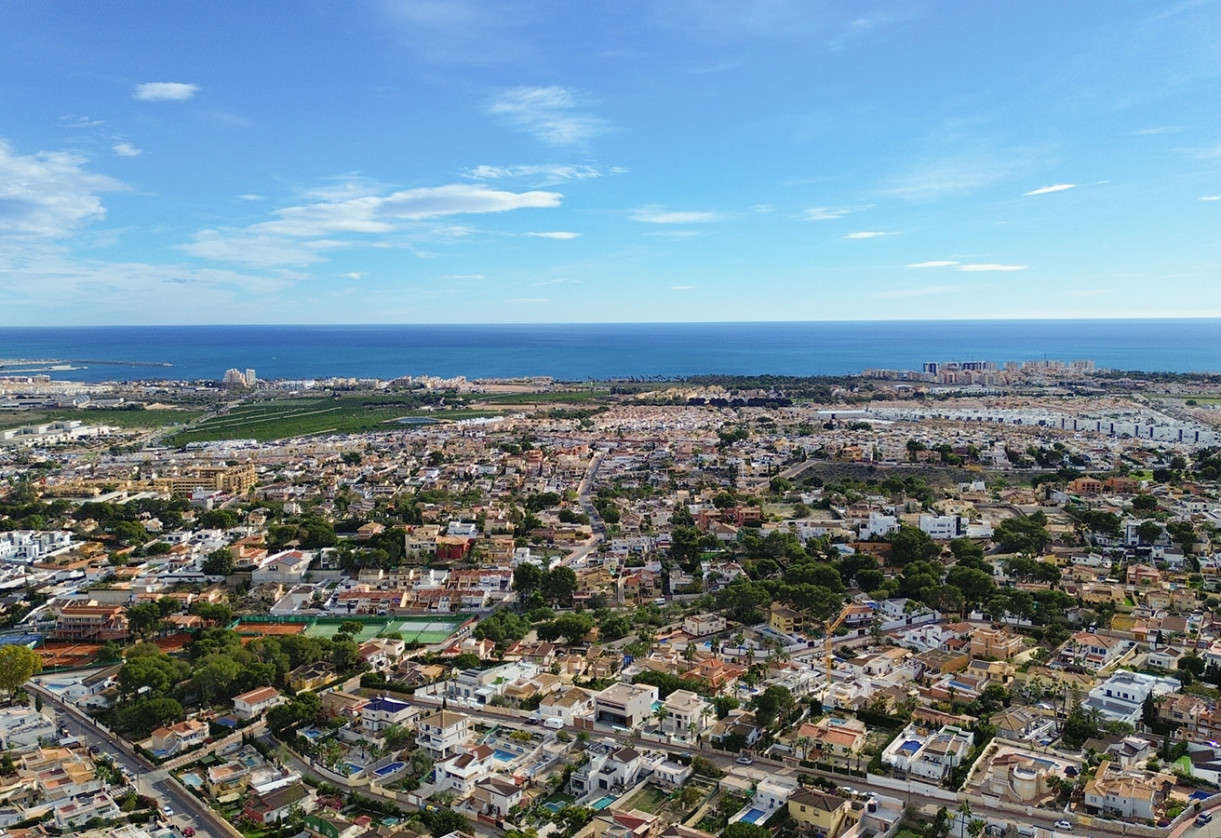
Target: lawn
<point x="648" y="799"/>
<point x="281" y="418"/>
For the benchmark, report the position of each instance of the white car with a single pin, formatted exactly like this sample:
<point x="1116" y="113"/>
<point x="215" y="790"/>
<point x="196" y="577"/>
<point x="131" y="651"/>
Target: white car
<point x="168" y="811"/>
<point x="744" y="761"/>
<point x="1064" y="825"/>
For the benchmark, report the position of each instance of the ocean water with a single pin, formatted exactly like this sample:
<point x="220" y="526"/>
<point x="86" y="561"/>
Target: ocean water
<point x="616" y="350"/>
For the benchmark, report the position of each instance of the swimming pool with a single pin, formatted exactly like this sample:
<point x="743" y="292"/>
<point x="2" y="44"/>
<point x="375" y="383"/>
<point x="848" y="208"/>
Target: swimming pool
<point x="504" y="756"/>
<point x="754" y="816"/>
<point x="604" y="801"/>
<point x="354" y="769"/>
<point x="390" y="769"/>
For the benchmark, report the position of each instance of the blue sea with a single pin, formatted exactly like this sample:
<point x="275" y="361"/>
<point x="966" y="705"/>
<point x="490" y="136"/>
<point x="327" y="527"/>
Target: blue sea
<point x="600" y="351"/>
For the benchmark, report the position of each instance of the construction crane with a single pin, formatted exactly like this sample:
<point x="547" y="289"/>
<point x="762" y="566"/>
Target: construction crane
<point x="828" y="634"/>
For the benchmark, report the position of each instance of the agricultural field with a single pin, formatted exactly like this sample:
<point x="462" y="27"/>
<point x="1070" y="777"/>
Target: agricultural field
<point x="283" y="418"/>
<point x="118" y="418"/>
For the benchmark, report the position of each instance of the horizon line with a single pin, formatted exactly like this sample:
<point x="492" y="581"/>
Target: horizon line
<point x="951" y="320"/>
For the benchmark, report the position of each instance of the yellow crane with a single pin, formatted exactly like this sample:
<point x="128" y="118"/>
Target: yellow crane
<point x="829" y="632"/>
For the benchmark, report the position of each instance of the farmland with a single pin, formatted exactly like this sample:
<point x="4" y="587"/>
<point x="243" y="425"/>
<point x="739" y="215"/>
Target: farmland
<point x="283" y="418"/>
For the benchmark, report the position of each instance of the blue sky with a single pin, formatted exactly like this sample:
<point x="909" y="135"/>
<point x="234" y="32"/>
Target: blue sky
<point x="467" y="162"/>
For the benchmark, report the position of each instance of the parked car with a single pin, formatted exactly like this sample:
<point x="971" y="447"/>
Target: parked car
<point x="744" y="761"/>
<point x="168" y="811"/>
<point x="1204" y="818"/>
<point x="1064" y="825"/>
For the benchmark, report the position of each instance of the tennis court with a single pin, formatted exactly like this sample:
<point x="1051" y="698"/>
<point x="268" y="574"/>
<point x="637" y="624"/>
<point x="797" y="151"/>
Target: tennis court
<point x="426" y="631"/>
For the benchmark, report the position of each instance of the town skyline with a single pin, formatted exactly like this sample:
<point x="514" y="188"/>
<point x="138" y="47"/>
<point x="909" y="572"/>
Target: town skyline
<point x="486" y="163"/>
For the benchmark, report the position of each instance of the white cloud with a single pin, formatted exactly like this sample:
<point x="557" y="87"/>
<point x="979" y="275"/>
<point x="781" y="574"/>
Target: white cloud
<point x="251" y="197"/>
<point x="551" y="114"/>
<point x="917" y="292"/>
<point x="127" y="150"/>
<point x="546" y="174"/>
<point x="992" y="267"/>
<point x="560" y="281"/>
<point x="1211" y="153"/>
<point x="474" y="277"/>
<point x="559" y="234"/>
<point x="352" y="275"/>
<point x="48" y="194"/>
<point x="657" y="216"/>
<point x="936" y="263"/>
<point x="1210" y="198"/>
<point x="825" y="213"/>
<point x="683" y="287"/>
<point x="374" y="214"/>
<point x="165" y="91"/>
<point x="1045" y="190"/>
<point x="869" y="234"/>
<point x="1090" y="292"/>
<point x="240" y="246"/>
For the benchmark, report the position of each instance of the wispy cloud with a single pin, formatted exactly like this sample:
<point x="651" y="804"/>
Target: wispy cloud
<point x="353" y="275"/>
<point x="552" y="114"/>
<point x="825" y="213"/>
<point x="558" y="234"/>
<point x="249" y="196"/>
<point x="1207" y="153"/>
<point x="991" y="267"/>
<point x="958" y="174"/>
<point x="474" y="277"/>
<point x="683" y="287"/>
<point x="870" y="234"/>
<point x="1210" y="198"/>
<point x="299" y="232"/>
<point x="1045" y="190"/>
<point x="936" y="263"/>
<point x="918" y="292"/>
<point x="126" y="150"/>
<point x="559" y="281"/>
<point x="165" y="91"/>
<point x="653" y="215"/>
<point x="49" y="194"/>
<point x="545" y="174"/>
<point x="1147" y="132"/>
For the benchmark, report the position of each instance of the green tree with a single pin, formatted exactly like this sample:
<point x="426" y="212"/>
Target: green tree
<point x="219" y="562"/>
<point x="741" y="829"/>
<point x="910" y="544"/>
<point x="18" y="664"/>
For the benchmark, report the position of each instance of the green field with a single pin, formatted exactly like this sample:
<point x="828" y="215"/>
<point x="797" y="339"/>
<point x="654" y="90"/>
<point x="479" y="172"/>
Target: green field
<point x="427" y="630"/>
<point x="282" y="418"/>
<point x="116" y="418"/>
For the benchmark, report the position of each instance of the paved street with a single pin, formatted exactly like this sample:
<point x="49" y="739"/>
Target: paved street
<point x="148" y="780"/>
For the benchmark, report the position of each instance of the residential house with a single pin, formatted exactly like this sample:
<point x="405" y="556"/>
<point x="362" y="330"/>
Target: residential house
<point x="624" y="705"/>
<point x="277" y="805"/>
<point x="568" y="706"/>
<point x="1128" y="793"/>
<point x="173" y="739"/>
<point x="821" y="813"/>
<point x="381" y="713"/>
<point x="686" y="715"/>
<point x="997" y="643"/>
<point x="460" y="772"/>
<point x="251" y="705"/>
<point x="311" y="676"/>
<point x="441" y="733"/>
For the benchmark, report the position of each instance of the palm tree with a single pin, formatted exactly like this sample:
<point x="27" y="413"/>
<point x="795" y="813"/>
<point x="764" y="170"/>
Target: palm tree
<point x="660" y="714"/>
<point x="964" y="809"/>
<point x="804" y="743"/>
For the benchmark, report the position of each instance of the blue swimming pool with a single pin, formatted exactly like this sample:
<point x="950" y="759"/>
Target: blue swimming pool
<point x="604" y="801"/>
<point x="389" y="769"/>
<point x="354" y="769"/>
<point x="504" y="756"/>
<point x="754" y="816"/>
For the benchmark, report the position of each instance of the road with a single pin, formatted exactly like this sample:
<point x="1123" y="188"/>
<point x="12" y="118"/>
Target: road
<point x="762" y="768"/>
<point x="577" y="556"/>
<point x="148" y="779"/>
